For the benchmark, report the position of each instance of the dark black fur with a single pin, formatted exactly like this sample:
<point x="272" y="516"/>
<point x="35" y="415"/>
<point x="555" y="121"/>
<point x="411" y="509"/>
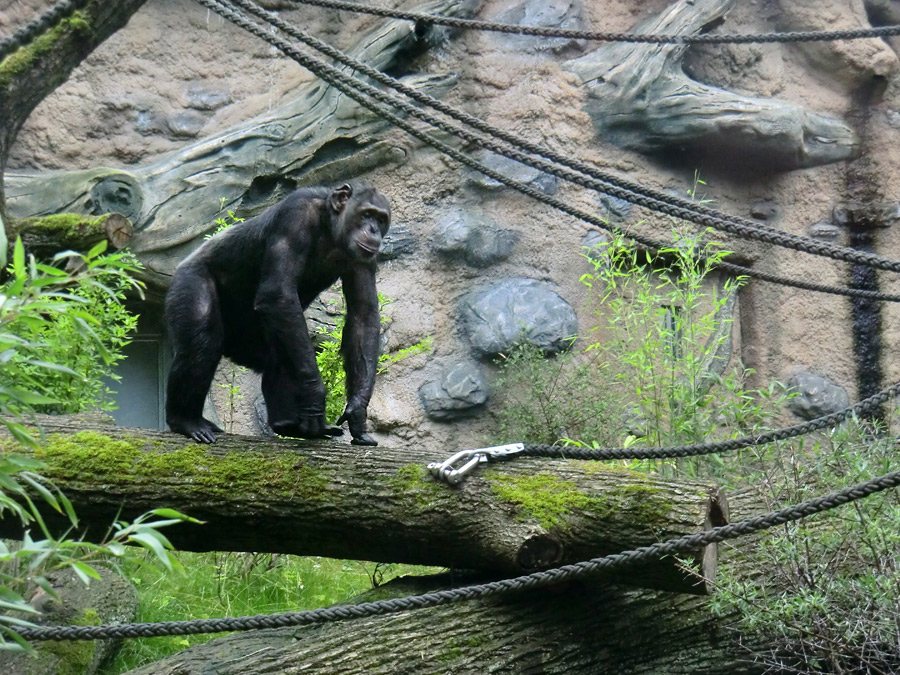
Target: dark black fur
<point x="242" y="295"/>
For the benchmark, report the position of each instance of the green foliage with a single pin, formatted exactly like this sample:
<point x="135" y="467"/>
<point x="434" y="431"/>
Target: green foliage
<point x="331" y="363"/>
<point x="568" y="395"/>
<point x="42" y="310"/>
<point x="666" y="322"/>
<point x="223" y="222"/>
<point x="52" y="336"/>
<point x="652" y="369"/>
<point x="84" y="336"/>
<point x="823" y="593"/>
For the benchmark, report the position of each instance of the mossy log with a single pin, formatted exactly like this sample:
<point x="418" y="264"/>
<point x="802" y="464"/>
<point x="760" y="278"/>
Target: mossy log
<point x="342" y="501"/>
<point x="49" y="235"/>
<point x="109" y="599"/>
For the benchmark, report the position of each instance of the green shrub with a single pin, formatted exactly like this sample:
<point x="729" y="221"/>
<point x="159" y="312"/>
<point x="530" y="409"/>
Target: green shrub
<point x="822" y="594"/>
<point x="89" y="340"/>
<point x="543" y="400"/>
<point x="664" y="322"/>
<point x="52" y="342"/>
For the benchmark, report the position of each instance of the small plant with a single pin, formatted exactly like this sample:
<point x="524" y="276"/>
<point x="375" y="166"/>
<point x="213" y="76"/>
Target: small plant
<point x="331" y="363"/>
<point x="224" y="221"/>
<point x="233" y="395"/>
<point x="547" y="399"/>
<point x="666" y="327"/>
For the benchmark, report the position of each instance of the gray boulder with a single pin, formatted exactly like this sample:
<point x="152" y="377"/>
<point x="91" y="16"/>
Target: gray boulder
<point x="465" y="236"/>
<point x="816" y="395"/>
<point x="499" y="315"/>
<point x="512" y="169"/>
<point x="460" y="391"/>
<point x="398" y="242"/>
<point x="614" y="209"/>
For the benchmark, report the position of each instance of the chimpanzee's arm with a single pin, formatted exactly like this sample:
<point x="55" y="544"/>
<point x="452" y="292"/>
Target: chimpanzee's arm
<point x="359" y="345"/>
<point x="292" y="386"/>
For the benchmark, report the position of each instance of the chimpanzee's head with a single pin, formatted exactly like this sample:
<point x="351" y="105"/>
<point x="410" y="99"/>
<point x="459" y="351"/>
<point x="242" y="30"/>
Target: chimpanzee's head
<point x="360" y="217"/>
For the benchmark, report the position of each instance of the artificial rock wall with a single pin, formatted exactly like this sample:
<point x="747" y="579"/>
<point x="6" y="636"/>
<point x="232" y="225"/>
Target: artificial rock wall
<point x="188" y="116"/>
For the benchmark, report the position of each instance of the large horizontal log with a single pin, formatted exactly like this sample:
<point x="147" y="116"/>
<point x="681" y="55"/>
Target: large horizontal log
<point x="342" y="501"/>
<point x="576" y="628"/>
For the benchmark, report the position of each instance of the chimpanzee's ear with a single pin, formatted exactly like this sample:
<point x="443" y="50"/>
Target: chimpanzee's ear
<point x="340" y="196"/>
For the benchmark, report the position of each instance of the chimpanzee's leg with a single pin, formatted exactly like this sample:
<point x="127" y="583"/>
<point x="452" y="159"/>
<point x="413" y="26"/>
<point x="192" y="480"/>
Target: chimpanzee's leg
<point x="195" y="325"/>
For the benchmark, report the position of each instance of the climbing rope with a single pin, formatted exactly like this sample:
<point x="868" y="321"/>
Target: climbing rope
<point x="593" y="178"/>
<point x="472" y="24"/>
<point x="358" y="90"/>
<point x="675" y="546"/>
<point x="463" y="463"/>
<point x="27" y="32"/>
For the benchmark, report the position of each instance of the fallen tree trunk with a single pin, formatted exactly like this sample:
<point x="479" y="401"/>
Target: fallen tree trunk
<point x="337" y="500"/>
<point x="584" y="627"/>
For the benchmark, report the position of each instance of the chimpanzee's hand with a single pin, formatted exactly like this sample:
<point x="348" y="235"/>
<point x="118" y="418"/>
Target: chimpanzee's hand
<point x="356" y="420"/>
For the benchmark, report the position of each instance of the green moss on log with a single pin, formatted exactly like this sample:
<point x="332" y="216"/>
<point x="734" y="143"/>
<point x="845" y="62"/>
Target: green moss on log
<point x="72" y="657"/>
<point x="93" y="458"/>
<point x="24" y="58"/>
<point x="65" y="224"/>
<point x="553" y="502"/>
<point x="415" y="484"/>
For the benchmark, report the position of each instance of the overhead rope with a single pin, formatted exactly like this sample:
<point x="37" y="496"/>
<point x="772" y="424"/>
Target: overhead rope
<point x="358" y="90"/>
<point x="27" y="32"/>
<point x="671" y="547"/>
<point x="463" y="463"/>
<point x="655" y="38"/>
<point x="655" y="200"/>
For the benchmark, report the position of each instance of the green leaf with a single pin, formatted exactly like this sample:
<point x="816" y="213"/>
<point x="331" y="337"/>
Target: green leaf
<point x="68" y="508"/>
<point x="177" y="515"/>
<point x="42" y="490"/>
<point x="151" y="541"/>
<point x="53" y="366"/>
<point x="19" y="259"/>
<point x="98" y="248"/>
<point x="85" y="572"/>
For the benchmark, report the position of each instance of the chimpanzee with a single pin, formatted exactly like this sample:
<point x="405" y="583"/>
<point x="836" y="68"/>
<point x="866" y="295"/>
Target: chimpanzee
<point x="242" y="295"/>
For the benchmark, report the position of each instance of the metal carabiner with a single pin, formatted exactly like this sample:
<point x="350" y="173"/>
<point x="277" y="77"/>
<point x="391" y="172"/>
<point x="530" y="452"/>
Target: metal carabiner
<point x="448" y="471"/>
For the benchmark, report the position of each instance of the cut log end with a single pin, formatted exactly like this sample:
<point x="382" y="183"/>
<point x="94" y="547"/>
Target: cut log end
<point x="119" y="230"/>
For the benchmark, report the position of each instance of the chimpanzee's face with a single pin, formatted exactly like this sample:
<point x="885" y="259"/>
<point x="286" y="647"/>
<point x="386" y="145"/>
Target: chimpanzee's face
<point x="361" y="221"/>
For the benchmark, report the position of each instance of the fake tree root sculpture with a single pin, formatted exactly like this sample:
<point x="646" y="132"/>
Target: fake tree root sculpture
<point x="317" y="136"/>
<point x="639" y="97"/>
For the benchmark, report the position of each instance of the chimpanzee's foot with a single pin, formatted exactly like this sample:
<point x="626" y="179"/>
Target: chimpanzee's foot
<point x="306" y="428"/>
<point x="201" y="430"/>
<point x="363" y="439"/>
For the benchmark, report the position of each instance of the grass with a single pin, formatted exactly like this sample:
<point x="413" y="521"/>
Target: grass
<point x="216" y="585"/>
